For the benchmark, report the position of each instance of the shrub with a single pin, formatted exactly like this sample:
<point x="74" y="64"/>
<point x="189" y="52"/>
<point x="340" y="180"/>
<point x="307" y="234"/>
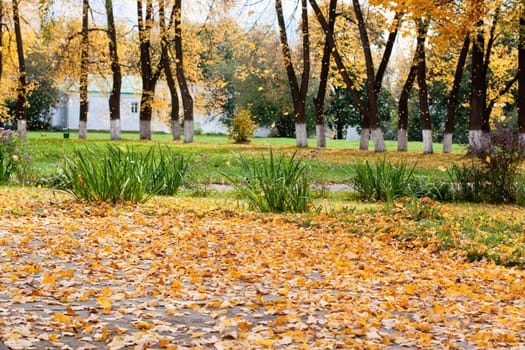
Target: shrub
<point x="274" y="184"/>
<point x="123" y="174"/>
<point x="382" y="180"/>
<point x="493" y="175"/>
<point x="242" y="128"/>
<point x="15" y="160"/>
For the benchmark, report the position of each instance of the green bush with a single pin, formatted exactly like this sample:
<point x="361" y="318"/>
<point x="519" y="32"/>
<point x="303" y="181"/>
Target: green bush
<point x="123" y="174"/>
<point x="382" y="180"/>
<point x="274" y="184"/>
<point x="493" y="175"/>
<point x="15" y="160"/>
<point x="242" y="128"/>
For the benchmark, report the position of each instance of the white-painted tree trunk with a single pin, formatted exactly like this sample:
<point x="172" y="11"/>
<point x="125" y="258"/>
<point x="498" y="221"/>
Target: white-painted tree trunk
<point x="82" y="130"/>
<point x="114" y="129"/>
<point x="474" y="140"/>
<point x="175" y="129"/>
<point x="145" y="129"/>
<point x="188" y="131"/>
<point x="402" y="140"/>
<point x="320" y="132"/>
<point x="21" y="127"/>
<point x="365" y="139"/>
<point x="447" y="143"/>
<point x="301" y="137"/>
<point x="379" y="140"/>
<point x="427" y="142"/>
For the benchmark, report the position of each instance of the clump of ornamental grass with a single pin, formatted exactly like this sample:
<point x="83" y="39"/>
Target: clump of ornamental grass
<point x="277" y="183"/>
<point x="382" y="180"/>
<point x="114" y="173"/>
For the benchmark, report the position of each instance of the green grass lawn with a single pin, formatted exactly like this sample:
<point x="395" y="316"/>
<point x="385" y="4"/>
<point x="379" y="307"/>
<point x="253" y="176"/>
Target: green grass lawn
<point x="213" y="155"/>
<point x="266" y="141"/>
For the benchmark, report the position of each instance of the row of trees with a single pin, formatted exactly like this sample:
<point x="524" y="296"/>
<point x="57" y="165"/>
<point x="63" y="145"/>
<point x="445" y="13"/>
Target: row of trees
<point x="346" y="64"/>
<point x="485" y="29"/>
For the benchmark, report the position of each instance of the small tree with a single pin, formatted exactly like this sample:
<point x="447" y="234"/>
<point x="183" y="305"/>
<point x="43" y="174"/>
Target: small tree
<point x="242" y="128"/>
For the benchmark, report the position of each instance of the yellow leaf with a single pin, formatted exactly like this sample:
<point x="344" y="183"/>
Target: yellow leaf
<point x="410" y="289"/>
<point x="267" y="343"/>
<point x="144" y="325"/>
<point x="48" y="279"/>
<point x="105" y="304"/>
<point x="62" y="318"/>
<point x="53" y="337"/>
<point x="176" y="285"/>
<point x="244" y="325"/>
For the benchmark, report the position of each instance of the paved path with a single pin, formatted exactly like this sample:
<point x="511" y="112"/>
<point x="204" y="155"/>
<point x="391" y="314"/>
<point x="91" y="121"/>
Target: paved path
<point x="186" y="275"/>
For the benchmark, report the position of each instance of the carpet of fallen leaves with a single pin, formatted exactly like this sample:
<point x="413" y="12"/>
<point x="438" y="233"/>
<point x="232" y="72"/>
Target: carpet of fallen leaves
<point x="193" y="273"/>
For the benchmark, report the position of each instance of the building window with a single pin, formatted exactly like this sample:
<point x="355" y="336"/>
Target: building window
<point x="134" y="107"/>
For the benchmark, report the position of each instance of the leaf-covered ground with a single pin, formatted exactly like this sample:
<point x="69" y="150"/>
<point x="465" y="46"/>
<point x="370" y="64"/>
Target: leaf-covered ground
<point x="194" y="273"/>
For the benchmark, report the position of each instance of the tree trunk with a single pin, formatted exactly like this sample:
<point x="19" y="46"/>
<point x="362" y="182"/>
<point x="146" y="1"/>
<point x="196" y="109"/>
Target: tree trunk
<point x="175" y="129"/>
<point x="301" y="135"/>
<point x="84" y="67"/>
<point x="402" y="140"/>
<point x="477" y="93"/>
<point x="364" y="139"/>
<point x="453" y="99"/>
<point x="21" y="101"/>
<point x="388" y="52"/>
<point x="320" y="132"/>
<point x="447" y="142"/>
<point x="521" y="80"/>
<point x="145" y="69"/>
<point x="426" y="123"/>
<point x="323" y="78"/>
<point x="150" y="72"/>
<point x="379" y="140"/>
<point x="114" y="97"/>
<point x="298" y="92"/>
<point x="189" y="130"/>
<point x="187" y="99"/>
<point x="1" y="38"/>
<point x="372" y="94"/>
<point x="145" y="129"/>
<point x="487" y="109"/>
<point x="172" y="84"/>
<point x="402" y="107"/>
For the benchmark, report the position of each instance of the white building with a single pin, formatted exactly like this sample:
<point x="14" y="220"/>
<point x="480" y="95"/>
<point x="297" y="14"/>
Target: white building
<point x="66" y="113"/>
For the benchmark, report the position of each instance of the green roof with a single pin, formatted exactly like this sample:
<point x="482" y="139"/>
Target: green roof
<point x="131" y="84"/>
